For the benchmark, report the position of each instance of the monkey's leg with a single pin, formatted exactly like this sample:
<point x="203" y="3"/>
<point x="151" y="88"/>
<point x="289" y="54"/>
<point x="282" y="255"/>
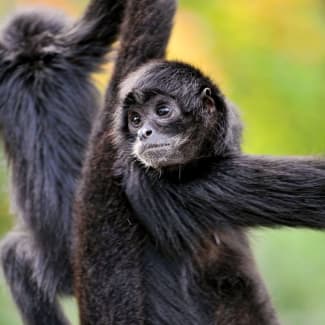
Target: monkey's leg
<point x="238" y="295"/>
<point x="37" y="307"/>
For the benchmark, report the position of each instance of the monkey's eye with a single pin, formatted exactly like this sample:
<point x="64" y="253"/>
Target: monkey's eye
<point x="163" y="111"/>
<point x="135" y="119"/>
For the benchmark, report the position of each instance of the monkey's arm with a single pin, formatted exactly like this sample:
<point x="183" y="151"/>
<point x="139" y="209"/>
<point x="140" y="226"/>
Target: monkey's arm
<point x="246" y="191"/>
<point x="108" y="247"/>
<point x="90" y="38"/>
<point x="84" y="43"/>
<point x="145" y="34"/>
<point x="252" y="191"/>
<point x="109" y="242"/>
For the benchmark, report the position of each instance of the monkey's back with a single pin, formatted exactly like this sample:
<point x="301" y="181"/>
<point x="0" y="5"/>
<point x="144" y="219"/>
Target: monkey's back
<point x="47" y="105"/>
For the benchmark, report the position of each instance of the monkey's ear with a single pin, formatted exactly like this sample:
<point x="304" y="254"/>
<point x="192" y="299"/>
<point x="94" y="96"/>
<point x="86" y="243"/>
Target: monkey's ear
<point x="208" y="101"/>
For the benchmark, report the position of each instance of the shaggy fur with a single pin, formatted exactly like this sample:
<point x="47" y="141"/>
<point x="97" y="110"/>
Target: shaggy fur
<point x="268" y="192"/>
<point x="122" y="277"/>
<point x="47" y="105"/>
<point x="197" y="264"/>
<point x="179" y="254"/>
<point x="110" y="244"/>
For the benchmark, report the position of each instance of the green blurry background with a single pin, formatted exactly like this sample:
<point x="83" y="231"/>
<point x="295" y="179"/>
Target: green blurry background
<point x="269" y="57"/>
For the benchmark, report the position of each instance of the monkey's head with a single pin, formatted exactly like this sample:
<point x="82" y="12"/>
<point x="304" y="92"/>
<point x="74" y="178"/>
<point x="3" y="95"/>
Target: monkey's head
<point x="173" y="115"/>
<point x="32" y="36"/>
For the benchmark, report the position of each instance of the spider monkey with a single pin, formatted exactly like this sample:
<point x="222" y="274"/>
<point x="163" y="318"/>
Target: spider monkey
<point x="167" y="196"/>
<point x="47" y="106"/>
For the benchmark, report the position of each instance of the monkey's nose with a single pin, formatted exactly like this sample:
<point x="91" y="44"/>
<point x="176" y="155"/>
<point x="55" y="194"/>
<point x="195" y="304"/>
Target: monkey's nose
<point x="144" y="134"/>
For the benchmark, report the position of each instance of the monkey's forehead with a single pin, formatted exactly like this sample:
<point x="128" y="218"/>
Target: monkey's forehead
<point x="135" y="79"/>
<point x="178" y="80"/>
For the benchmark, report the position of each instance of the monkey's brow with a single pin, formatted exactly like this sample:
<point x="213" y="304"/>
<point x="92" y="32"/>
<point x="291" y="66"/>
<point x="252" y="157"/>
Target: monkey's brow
<point x="150" y="93"/>
<point x="146" y="95"/>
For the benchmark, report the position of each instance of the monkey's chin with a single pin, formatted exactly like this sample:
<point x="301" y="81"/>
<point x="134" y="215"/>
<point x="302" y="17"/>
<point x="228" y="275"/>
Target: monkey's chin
<point x="161" y="157"/>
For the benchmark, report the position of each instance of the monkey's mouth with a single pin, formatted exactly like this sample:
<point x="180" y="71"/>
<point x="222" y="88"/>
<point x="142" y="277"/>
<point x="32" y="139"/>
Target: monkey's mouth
<point x="158" y="155"/>
<point x="154" y="146"/>
<point x="153" y="152"/>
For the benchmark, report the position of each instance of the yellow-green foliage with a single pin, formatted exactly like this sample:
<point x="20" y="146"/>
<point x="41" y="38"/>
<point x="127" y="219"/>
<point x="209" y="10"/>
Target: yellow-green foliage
<point x="269" y="57"/>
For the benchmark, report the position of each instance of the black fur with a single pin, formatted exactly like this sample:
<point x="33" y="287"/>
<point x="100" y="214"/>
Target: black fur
<point x="267" y="192"/>
<point x="110" y="245"/>
<point x="187" y="210"/>
<point x="218" y="193"/>
<point x="183" y="250"/>
<point x="198" y="269"/>
<point x="47" y="105"/>
<point x="121" y="275"/>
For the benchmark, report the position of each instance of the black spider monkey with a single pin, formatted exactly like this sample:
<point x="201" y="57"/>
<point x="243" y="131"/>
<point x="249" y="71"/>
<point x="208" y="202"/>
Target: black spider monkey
<point x="22" y="248"/>
<point x="47" y="106"/>
<point x="166" y="195"/>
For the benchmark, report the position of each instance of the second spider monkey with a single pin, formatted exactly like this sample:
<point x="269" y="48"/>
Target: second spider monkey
<point x="47" y="106"/>
<point x="167" y="195"/>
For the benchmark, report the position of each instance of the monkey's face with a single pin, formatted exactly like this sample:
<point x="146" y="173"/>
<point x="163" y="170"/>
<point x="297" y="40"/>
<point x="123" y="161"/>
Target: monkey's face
<point x="162" y="134"/>
<point x="173" y="115"/>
